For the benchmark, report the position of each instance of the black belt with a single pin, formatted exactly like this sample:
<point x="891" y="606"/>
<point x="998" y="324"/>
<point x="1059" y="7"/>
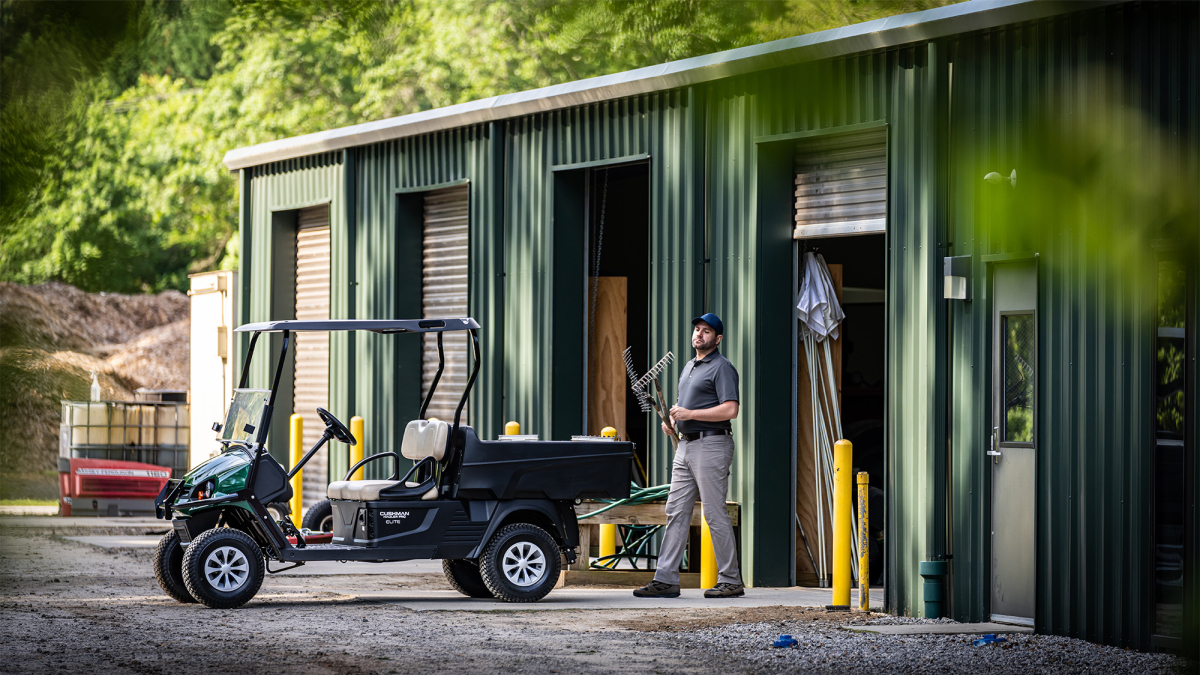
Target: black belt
<point x="701" y="434"/>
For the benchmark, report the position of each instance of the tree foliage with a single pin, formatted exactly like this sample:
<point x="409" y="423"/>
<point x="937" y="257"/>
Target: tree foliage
<point x="115" y="115"/>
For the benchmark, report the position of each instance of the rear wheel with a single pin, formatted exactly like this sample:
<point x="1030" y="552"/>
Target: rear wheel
<point x="521" y="563"/>
<point x="223" y="568"/>
<point x="168" y="567"/>
<point x="464" y="576"/>
<point x="279" y="510"/>
<point x="319" y="517"/>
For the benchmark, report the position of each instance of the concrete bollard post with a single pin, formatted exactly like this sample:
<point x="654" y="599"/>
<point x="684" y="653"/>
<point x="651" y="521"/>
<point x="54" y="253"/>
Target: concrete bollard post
<point x="356" y="451"/>
<point x="864" y="544"/>
<point x="608" y="541"/>
<point x="843" y="465"/>
<point x="296" y="446"/>
<point x="512" y="429"/>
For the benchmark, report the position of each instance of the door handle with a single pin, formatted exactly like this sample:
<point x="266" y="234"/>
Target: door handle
<point x="994" y="453"/>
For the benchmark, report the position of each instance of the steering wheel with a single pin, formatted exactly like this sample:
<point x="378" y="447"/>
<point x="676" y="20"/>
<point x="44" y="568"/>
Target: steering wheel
<point x="336" y="428"/>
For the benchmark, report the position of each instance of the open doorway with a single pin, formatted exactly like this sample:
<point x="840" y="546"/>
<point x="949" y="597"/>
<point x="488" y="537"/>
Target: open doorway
<point x="857" y="268"/>
<point x="617" y="299"/>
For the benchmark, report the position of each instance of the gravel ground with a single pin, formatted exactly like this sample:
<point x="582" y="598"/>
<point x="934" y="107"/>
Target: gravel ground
<point x="825" y="648"/>
<point x="70" y="607"/>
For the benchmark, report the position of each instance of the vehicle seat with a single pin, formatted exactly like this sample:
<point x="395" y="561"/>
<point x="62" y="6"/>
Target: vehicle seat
<point x="422" y="439"/>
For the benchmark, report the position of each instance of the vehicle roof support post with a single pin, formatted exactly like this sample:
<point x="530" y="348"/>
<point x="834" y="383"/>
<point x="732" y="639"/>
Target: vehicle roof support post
<point x="436" y="377"/>
<point x="245" y="378"/>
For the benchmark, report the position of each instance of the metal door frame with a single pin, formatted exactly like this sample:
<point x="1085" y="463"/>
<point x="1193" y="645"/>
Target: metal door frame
<point x="990" y="263"/>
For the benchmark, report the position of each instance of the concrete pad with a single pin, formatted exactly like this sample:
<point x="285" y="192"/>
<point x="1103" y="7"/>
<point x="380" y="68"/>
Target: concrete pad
<point x="29" y="510"/>
<point x="941" y="629"/>
<point x="55" y="522"/>
<point x="119" y="541"/>
<point x="578" y="598"/>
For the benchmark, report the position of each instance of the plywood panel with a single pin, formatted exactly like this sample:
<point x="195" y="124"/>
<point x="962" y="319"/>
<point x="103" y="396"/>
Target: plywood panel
<point x="806" y="498"/>
<point x="606" y="383"/>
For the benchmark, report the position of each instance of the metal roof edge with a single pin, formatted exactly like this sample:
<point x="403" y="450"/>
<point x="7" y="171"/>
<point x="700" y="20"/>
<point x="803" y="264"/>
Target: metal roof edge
<point x="871" y="35"/>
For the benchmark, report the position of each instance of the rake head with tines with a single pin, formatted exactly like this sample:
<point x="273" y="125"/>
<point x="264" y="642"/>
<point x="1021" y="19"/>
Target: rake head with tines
<point x="639" y="392"/>
<point x="662" y="364"/>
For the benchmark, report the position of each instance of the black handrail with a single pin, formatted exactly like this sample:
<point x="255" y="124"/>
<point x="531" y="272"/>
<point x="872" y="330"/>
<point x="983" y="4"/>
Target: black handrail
<point x="395" y="464"/>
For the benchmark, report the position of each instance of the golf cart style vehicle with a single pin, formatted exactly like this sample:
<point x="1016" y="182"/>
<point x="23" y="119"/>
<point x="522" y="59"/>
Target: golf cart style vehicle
<point x="499" y="514"/>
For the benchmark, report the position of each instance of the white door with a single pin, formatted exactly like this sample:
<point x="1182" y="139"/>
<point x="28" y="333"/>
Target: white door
<point x="1013" y="448"/>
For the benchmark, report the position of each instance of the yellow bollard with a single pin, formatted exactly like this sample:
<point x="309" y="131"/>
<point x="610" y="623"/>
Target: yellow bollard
<point x="864" y="544"/>
<point x="608" y="542"/>
<point x="296" y="443"/>
<point x="608" y="432"/>
<point x="512" y="429"/>
<point x="708" y="557"/>
<point x="356" y="450"/>
<point x="843" y="464"/>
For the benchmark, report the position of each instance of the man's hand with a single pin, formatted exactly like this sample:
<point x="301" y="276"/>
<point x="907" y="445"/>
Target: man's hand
<point x="667" y="430"/>
<point x="678" y="413"/>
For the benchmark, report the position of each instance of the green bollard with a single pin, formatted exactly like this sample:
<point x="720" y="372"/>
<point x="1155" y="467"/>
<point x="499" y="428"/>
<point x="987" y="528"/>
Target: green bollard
<point x="933" y="571"/>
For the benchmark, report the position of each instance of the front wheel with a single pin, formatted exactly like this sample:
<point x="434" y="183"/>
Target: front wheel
<point x="223" y="568"/>
<point x="521" y="563"/>
<point x="168" y="567"/>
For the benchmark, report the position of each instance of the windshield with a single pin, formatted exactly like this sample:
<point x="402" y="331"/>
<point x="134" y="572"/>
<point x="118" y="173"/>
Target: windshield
<point x="245" y="413"/>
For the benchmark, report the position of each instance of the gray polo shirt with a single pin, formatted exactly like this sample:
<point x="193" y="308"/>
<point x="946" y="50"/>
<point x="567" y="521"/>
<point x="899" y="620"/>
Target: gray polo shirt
<point x="706" y="384"/>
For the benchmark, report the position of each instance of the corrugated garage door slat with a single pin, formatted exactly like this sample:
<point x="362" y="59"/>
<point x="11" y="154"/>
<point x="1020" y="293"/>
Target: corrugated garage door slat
<point x="444" y="294"/>
<point x="312" y="349"/>
<point x="841" y="185"/>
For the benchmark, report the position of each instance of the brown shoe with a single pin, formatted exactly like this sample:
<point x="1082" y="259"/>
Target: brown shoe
<point x="657" y="589"/>
<point x="724" y="590"/>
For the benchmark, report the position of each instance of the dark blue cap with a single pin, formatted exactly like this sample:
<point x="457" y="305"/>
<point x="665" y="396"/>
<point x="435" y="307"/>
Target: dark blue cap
<point x="712" y="320"/>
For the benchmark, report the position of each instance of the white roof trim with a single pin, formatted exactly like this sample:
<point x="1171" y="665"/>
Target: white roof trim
<point x="887" y="32"/>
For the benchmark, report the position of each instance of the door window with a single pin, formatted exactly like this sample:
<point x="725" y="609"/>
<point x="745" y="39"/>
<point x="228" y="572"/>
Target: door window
<point x="1017" y="332"/>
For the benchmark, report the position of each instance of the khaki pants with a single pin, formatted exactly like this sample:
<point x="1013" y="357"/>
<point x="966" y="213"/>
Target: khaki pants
<point x="701" y="469"/>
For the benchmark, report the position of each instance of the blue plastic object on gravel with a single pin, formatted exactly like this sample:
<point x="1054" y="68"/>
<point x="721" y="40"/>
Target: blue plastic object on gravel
<point x="786" y="641"/>
<point x="989" y="639"/>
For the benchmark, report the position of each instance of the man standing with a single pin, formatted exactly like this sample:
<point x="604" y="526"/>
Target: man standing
<point x="708" y="400"/>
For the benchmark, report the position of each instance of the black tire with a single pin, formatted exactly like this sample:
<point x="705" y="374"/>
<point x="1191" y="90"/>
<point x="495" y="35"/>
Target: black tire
<point x="504" y="545"/>
<point x="168" y="567"/>
<point x="319" y="517"/>
<point x="279" y="510"/>
<point x="464" y="577"/>
<point x="244" y="575"/>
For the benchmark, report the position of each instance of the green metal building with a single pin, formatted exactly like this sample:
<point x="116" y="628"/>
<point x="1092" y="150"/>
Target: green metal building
<point x="697" y="168"/>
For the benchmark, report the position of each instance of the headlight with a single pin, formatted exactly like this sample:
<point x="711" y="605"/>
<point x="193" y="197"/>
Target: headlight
<point x="206" y="489"/>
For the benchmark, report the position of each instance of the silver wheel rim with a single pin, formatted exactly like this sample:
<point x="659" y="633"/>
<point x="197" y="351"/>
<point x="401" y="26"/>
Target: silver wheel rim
<point x="523" y="563"/>
<point x="226" y="569"/>
<point x="326" y="524"/>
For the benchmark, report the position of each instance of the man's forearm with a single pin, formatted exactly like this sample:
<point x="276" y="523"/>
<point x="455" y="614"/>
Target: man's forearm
<point x="726" y="411"/>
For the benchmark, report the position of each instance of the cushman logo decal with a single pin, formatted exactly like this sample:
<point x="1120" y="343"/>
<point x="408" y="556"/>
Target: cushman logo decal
<point x="393" y="517"/>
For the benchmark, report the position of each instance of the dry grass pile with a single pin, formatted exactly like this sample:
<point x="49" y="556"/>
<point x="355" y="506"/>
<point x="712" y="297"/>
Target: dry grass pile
<point x="52" y="337"/>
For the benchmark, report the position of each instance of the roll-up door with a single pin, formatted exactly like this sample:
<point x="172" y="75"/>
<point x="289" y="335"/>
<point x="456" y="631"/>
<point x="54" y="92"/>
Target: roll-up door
<point x="312" y="349"/>
<point x="841" y="184"/>
<point x="444" y="294"/>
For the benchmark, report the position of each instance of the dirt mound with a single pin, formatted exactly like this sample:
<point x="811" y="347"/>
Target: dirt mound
<point x="59" y="316"/>
<point x="53" y="336"/>
<point x="159" y="359"/>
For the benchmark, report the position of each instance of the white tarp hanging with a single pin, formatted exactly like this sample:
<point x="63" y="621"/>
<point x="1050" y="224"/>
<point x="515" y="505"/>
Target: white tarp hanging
<point x="820" y="311"/>
<point x="820" y="314"/>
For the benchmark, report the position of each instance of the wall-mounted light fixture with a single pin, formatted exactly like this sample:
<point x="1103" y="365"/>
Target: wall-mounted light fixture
<point x="957" y="273"/>
<point x="995" y="178"/>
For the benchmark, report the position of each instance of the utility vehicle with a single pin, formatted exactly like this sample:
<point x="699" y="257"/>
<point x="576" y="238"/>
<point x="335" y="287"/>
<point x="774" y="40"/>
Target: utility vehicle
<point x="499" y="514"/>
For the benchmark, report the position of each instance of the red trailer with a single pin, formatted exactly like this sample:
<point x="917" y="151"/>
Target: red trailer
<point x="107" y="487"/>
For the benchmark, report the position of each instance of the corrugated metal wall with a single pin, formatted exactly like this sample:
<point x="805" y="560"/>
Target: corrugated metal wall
<point x="1096" y="346"/>
<point x="392" y="178"/>
<point x="287" y="186"/>
<point x="662" y="126"/>
<point x="772" y="108"/>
